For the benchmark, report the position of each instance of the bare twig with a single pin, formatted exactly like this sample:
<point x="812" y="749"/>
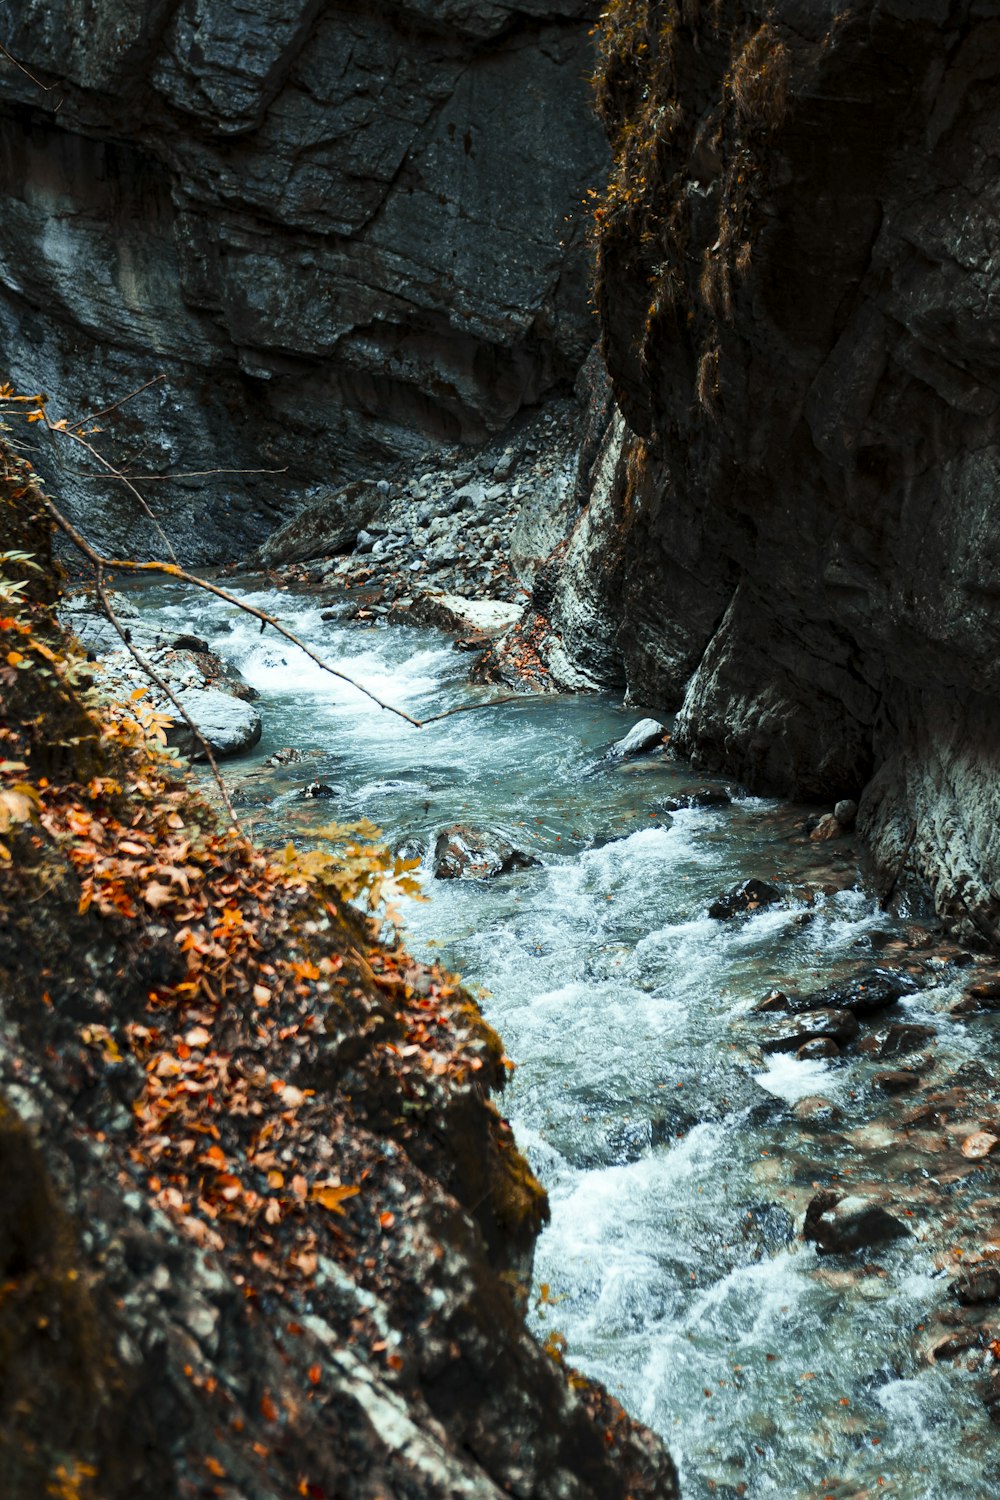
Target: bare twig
<point x="113" y="473"/>
<point x="46" y="88"/>
<point x="146" y="666"/>
<point x="469" y="708"/>
<point x="202" y="474"/>
<point x="95" y="416"/>
<point x="172" y="570"/>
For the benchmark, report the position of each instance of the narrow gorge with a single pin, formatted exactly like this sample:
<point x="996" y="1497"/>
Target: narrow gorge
<point x="509" y="491"/>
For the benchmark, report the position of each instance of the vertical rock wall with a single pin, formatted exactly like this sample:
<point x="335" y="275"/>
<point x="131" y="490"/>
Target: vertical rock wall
<point x="798" y="286"/>
<point x="341" y="230"/>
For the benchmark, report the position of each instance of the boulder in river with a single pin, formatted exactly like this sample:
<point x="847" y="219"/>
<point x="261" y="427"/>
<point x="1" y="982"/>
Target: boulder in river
<point x="815" y="1110"/>
<point x="485" y="618"/>
<point x="817" y="1047"/>
<point x="827" y="827"/>
<point x="906" y="1038"/>
<point x="839" y="1224"/>
<point x="748" y="896"/>
<point x="331" y="524"/>
<point x="790" y="1033"/>
<point x="228" y="724"/>
<point x="876" y="989"/>
<point x="978" y="1284"/>
<point x="846" y="812"/>
<point x="697" y="796"/>
<point x="643" y="736"/>
<point x="463" y="853"/>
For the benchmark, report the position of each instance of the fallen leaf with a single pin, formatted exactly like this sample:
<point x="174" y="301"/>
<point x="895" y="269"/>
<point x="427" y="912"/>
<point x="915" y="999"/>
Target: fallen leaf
<point x="331" y="1195"/>
<point x="979" y="1144"/>
<point x="156" y="895"/>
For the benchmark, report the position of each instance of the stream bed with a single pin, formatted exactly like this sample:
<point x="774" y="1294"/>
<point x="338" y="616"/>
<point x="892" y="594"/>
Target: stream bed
<point x="678" y="1158"/>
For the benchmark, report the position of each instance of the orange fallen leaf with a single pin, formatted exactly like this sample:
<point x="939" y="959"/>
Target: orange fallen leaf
<point x="315" y="1374"/>
<point x="268" y="1410"/>
<point x="331" y="1195"/>
<point x="979" y="1144"/>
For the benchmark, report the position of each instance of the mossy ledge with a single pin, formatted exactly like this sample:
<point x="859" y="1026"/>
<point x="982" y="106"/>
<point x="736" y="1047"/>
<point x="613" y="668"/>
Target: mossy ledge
<point x="265" y="1233"/>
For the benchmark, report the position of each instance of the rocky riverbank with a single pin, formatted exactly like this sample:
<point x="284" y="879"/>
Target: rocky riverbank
<point x="266" y="1232"/>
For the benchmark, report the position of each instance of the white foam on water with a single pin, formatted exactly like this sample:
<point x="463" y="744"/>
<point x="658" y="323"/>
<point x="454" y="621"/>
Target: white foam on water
<point x="792" y="1078"/>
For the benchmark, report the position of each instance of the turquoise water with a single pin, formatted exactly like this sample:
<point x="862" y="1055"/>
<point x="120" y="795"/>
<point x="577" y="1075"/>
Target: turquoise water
<point x="676" y="1166"/>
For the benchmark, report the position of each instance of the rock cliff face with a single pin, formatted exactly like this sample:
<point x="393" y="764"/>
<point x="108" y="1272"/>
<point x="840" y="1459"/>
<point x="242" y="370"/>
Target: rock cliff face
<point x="341" y="231"/>
<point x="794" y="519"/>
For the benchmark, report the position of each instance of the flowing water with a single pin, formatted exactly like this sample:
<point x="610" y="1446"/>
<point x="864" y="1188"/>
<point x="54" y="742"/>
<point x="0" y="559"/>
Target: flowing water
<point x="676" y="1166"/>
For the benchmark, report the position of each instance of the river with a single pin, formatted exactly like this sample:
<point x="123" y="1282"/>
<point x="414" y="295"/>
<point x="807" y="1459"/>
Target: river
<point x="677" y="1166"/>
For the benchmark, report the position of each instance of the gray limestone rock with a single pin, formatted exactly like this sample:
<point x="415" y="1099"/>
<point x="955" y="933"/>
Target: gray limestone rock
<point x="341" y="233"/>
<point x="462" y="853"/>
<point x="643" y="736"/>
<point x="330" y="524"/>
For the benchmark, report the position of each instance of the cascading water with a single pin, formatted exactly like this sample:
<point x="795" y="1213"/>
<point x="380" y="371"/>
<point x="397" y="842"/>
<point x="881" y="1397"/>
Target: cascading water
<point x="677" y="1165"/>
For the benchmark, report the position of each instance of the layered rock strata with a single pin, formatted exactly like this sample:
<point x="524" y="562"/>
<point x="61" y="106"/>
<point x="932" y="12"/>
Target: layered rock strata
<point x="340" y="232"/>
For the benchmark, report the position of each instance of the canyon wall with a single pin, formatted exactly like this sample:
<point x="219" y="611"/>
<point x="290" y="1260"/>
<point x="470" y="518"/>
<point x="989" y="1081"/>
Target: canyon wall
<point x="793" y="530"/>
<point x="342" y="233"/>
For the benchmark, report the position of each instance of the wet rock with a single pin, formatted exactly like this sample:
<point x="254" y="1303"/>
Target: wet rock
<point x="904" y="1038"/>
<point x="875" y="990"/>
<point x="983" y="994"/>
<point x="467" y="853"/>
<point x="700" y="796"/>
<point x="815" y="1110"/>
<point x="773" y="1000"/>
<point x="826" y="827"/>
<point x="767" y="1227"/>
<point x="792" y="1032"/>
<point x="189" y="643"/>
<point x="647" y="734"/>
<point x="978" y="1284"/>
<point x="837" y="1224"/>
<point x="286" y="757"/>
<point x="320" y="790"/>
<point x="957" y="1343"/>
<point x="869" y="992"/>
<point x="846" y="812"/>
<point x="818" y="1047"/>
<point x="896" y="1081"/>
<point x="748" y="896"/>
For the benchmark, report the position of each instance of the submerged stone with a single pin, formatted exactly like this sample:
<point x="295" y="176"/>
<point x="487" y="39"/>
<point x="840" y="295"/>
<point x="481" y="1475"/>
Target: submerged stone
<point x="815" y="1110"/>
<point x="837" y="1225"/>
